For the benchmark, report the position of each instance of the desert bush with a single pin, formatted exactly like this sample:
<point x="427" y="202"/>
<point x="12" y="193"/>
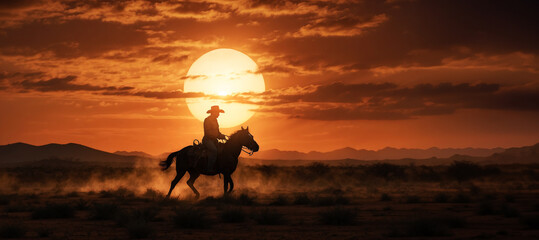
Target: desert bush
<point x="233" y="215"/>
<point x="386" y="171"/>
<point x="338" y="216"/>
<point x="72" y="194"/>
<point x="54" y="211"/>
<point x="12" y="230"/>
<point x="531" y="221"/>
<point x="81" y="204"/>
<point x="464" y="170"/>
<point x="191" y="218"/>
<point x="280" y="200"/>
<point x="43" y="232"/>
<point x="510" y="198"/>
<point x="413" y="199"/>
<point x="318" y="169"/>
<point x="429" y="227"/>
<point x="508" y="211"/>
<point x="441" y="198"/>
<point x="4" y="199"/>
<point x="268" y="217"/>
<point x="139" y="228"/>
<point x="152" y="194"/>
<point x="324" y="201"/>
<point x="461" y="198"/>
<point x="385" y="197"/>
<point x="486" y="208"/>
<point x="18" y="207"/>
<point x="103" y="211"/>
<point x="302" y="199"/>
<point x="246" y="200"/>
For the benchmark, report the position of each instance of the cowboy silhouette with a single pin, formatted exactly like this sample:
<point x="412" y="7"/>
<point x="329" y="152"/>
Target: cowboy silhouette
<point x="211" y="135"/>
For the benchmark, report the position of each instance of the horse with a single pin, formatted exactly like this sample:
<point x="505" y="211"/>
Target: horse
<point x="226" y="163"/>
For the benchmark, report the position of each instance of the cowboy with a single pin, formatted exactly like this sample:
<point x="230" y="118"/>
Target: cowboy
<point x="211" y="134"/>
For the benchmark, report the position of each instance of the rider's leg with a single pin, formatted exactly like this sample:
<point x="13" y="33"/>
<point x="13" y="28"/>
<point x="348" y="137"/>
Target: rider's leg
<point x="212" y="155"/>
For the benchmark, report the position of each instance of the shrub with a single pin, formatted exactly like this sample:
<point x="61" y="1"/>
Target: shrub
<point x="464" y="170"/>
<point x="302" y="199"/>
<point x="413" y="199"/>
<point x="152" y="194"/>
<point x="4" y="200"/>
<point x="279" y="201"/>
<point x="461" y="198"/>
<point x="191" y="218"/>
<point x="81" y="204"/>
<point x="268" y="217"/>
<point x="508" y="211"/>
<point x="531" y="221"/>
<point x="429" y="227"/>
<point x="324" y="201"/>
<point x="485" y="208"/>
<point x="441" y="198"/>
<point x="338" y="216"/>
<point x="12" y="230"/>
<point x="385" y="197"/>
<point x="233" y="215"/>
<point x="54" y="211"/>
<point x="510" y="198"/>
<point x="386" y="171"/>
<point x="104" y="211"/>
<point x="43" y="232"/>
<point x="246" y="200"/>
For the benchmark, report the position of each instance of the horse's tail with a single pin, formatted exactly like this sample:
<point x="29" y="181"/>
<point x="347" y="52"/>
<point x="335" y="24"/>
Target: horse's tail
<point x="166" y="163"/>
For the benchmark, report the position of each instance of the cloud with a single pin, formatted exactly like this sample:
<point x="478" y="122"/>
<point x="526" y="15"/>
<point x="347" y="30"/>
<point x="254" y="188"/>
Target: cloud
<point x="389" y="101"/>
<point x="65" y="84"/>
<point x="68" y="84"/>
<point x="75" y="38"/>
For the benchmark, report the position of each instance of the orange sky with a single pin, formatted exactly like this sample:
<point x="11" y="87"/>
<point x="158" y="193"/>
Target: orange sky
<point x="362" y="74"/>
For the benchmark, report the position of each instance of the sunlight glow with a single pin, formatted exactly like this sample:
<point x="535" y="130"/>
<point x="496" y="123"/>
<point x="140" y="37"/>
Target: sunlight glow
<point x="223" y="72"/>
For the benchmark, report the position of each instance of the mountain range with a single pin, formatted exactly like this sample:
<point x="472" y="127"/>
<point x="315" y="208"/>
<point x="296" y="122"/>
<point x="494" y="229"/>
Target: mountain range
<point x="21" y="153"/>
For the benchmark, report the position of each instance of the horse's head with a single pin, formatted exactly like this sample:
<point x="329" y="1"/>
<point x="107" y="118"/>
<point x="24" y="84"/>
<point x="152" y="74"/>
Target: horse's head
<point x="247" y="140"/>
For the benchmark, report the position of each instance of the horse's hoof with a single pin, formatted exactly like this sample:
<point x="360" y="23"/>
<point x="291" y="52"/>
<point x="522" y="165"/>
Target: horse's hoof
<point x="197" y="197"/>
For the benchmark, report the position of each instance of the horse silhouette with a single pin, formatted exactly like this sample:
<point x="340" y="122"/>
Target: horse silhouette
<point x="187" y="160"/>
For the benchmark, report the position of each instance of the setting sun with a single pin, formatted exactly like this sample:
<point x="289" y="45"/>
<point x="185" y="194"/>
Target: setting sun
<point x="219" y="73"/>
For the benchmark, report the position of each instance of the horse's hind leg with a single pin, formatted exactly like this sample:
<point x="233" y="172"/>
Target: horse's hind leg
<point x="228" y="182"/>
<point x="192" y="178"/>
<point x="179" y="176"/>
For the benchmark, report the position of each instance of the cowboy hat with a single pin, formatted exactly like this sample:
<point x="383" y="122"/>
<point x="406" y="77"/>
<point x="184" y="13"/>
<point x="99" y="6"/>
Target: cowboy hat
<point x="215" y="109"/>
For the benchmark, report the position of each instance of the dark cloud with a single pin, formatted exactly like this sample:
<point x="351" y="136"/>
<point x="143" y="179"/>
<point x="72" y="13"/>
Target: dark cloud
<point x="340" y="101"/>
<point x="168" y="59"/>
<point x="65" y="84"/>
<point x="70" y="38"/>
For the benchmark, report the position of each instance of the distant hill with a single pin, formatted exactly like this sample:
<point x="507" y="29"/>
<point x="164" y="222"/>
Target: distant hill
<point x="526" y="155"/>
<point x="382" y="154"/>
<point x="22" y="152"/>
<point x="134" y="153"/>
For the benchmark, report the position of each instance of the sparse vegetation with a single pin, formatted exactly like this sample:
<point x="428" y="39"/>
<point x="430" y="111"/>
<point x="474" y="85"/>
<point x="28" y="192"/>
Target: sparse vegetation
<point x="338" y="216"/>
<point x="385" y="197"/>
<point x="139" y="228"/>
<point x="54" y="211"/>
<point x="267" y="216"/>
<point x="413" y="199"/>
<point x="441" y="198"/>
<point x="233" y="215"/>
<point x="12" y="230"/>
<point x="280" y="200"/>
<point x="429" y="227"/>
<point x="191" y="218"/>
<point x="302" y="199"/>
<point x="104" y="211"/>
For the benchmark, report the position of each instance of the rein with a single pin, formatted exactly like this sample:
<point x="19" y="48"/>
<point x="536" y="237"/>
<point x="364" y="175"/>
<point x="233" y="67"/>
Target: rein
<point x="247" y="150"/>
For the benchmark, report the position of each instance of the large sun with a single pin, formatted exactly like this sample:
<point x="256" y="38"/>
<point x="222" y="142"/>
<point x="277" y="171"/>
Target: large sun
<point x="223" y="72"/>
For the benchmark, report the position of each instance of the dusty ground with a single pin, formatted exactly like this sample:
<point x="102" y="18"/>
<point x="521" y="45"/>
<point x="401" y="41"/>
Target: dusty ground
<point x="503" y="206"/>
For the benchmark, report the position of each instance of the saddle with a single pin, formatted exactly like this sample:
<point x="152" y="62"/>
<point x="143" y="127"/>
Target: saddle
<point x="200" y="153"/>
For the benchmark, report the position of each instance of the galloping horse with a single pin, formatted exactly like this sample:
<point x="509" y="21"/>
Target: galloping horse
<point x="226" y="164"/>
